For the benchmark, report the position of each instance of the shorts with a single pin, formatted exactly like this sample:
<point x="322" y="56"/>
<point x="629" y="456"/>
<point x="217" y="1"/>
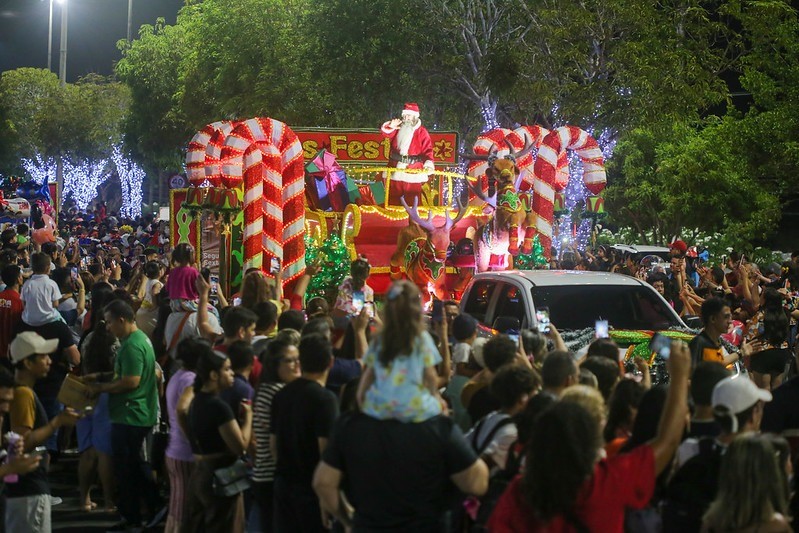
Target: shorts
<point x="770" y="361"/>
<point x="28" y="514"/>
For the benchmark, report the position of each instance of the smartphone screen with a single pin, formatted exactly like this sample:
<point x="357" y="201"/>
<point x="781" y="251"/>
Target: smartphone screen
<point x="370" y="309"/>
<point x="274" y="266"/>
<point x="513" y="336"/>
<point x="214" y="280"/>
<point x="542" y="318"/>
<point x="601" y="329"/>
<point x="357" y="301"/>
<point x="236" y="301"/>
<point x="74" y="273"/>
<point x="438" y="311"/>
<point x="661" y="345"/>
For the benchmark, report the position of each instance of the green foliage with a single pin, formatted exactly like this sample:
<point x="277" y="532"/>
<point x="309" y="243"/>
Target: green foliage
<point x="39" y="116"/>
<point x="687" y="177"/>
<point x="334" y="261"/>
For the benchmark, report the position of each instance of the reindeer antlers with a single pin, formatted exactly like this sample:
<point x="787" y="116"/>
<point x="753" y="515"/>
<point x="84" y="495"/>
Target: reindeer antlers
<point x="413" y="214"/>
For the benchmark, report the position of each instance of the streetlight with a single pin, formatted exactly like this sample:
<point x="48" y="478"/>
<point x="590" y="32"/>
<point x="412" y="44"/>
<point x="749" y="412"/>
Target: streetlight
<point x="62" y="66"/>
<point x="130" y="15"/>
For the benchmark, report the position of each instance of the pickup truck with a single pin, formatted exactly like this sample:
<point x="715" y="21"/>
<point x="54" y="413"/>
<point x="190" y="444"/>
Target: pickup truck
<point x="504" y="301"/>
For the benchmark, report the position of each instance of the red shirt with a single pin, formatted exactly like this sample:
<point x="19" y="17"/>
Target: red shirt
<point x="626" y="480"/>
<point x="10" y="315"/>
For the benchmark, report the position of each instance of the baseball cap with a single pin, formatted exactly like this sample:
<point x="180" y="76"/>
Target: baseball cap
<point x="679" y="245"/>
<point x="736" y="394"/>
<point x="30" y="343"/>
<point x="477" y="351"/>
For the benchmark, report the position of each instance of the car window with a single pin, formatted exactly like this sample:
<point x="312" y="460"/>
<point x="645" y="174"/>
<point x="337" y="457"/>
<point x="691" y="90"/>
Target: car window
<point x="511" y="304"/>
<point x="479" y="299"/>
<point x="624" y="307"/>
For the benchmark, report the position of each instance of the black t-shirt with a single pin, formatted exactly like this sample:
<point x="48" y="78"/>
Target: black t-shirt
<point x="703" y="428"/>
<point x="398" y="474"/>
<point x="207" y="413"/>
<point x="703" y="348"/>
<point x="302" y="412"/>
<point x="482" y="403"/>
<point x="781" y="413"/>
<point x="48" y="386"/>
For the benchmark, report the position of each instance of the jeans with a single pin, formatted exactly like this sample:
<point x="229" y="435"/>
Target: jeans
<point x="133" y="476"/>
<point x="53" y="408"/>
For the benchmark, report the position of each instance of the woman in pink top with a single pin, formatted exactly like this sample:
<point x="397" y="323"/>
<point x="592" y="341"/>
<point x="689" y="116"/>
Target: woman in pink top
<point x="183" y="295"/>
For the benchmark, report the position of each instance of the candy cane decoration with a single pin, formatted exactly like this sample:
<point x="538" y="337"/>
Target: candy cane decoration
<point x="213" y="154"/>
<point x="548" y="172"/>
<point x="482" y="146"/>
<point x="519" y="139"/>
<point x="267" y="156"/>
<point x="195" y="156"/>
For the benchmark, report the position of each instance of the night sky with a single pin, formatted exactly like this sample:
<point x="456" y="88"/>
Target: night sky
<point x="95" y="26"/>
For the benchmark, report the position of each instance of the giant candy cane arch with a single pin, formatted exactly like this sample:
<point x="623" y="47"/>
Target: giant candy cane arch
<point x="547" y="170"/>
<point x="213" y="154"/>
<point x="196" y="154"/>
<point x="267" y="156"/>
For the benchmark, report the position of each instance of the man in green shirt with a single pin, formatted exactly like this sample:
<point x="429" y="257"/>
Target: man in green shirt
<point x="133" y="406"/>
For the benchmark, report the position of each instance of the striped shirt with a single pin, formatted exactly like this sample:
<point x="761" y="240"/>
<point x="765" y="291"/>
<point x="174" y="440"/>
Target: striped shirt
<point x="264" y="462"/>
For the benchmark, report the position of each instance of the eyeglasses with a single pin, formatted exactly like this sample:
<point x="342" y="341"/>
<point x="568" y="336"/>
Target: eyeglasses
<point x="290" y="360"/>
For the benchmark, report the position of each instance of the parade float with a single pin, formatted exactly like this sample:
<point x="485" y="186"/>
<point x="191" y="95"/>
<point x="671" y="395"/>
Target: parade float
<point x="259" y="190"/>
<point x="31" y="203"/>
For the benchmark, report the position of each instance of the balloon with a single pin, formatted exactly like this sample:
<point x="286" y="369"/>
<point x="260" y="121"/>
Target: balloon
<point x="28" y="190"/>
<point x="49" y="223"/>
<point x="43" y="235"/>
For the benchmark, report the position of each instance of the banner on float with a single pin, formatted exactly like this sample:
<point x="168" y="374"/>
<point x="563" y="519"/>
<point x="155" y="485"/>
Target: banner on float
<point x="367" y="146"/>
<point x="182" y="226"/>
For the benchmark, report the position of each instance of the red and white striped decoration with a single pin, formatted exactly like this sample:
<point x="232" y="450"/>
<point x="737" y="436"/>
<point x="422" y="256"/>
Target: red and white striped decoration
<point x="267" y="156"/>
<point x="519" y="138"/>
<point x="551" y="173"/>
<point x="195" y="156"/>
<point x="483" y="146"/>
<point x="213" y="154"/>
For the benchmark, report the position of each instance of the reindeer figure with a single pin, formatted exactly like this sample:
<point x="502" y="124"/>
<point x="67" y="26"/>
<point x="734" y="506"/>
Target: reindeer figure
<point x="500" y="235"/>
<point x="422" y="249"/>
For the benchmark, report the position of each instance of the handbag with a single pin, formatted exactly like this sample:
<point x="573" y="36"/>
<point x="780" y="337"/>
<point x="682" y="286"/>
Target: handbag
<point x="231" y="480"/>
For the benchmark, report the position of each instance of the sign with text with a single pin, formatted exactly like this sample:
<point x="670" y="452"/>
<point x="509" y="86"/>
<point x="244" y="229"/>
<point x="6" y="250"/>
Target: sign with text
<point x="370" y="146"/>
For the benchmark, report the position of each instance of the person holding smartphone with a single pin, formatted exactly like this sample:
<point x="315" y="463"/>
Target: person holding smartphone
<point x="354" y="293"/>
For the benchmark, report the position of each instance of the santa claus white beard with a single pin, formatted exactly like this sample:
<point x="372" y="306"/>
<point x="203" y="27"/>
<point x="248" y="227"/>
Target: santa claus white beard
<point x="404" y="138"/>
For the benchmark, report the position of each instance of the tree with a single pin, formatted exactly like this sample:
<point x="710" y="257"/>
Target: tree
<point x="41" y="117"/>
<point x="673" y="181"/>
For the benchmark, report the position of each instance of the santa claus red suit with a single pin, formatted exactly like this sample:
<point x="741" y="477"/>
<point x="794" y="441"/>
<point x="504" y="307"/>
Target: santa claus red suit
<point x="412" y="149"/>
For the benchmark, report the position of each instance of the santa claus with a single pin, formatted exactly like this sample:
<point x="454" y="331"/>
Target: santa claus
<point x="411" y="149"/>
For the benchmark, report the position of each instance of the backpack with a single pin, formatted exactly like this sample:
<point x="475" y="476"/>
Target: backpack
<point x="692" y="489"/>
<point x="476" y="511"/>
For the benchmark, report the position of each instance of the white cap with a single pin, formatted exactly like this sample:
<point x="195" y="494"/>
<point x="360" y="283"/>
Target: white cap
<point x="477" y="350"/>
<point x="30" y="343"/>
<point x="736" y="394"/>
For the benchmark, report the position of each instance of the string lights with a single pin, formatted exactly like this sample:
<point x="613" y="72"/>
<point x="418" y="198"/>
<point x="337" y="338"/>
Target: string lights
<point x="82" y="179"/>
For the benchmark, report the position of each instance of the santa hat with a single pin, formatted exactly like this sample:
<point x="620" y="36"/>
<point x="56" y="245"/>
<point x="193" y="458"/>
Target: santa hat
<point x="411" y="109"/>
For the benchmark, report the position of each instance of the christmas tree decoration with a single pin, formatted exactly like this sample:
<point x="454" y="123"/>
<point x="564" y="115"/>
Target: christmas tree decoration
<point x="334" y="265"/>
<point x="532" y="260"/>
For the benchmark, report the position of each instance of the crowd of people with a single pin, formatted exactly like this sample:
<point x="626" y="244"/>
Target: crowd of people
<point x="261" y="411"/>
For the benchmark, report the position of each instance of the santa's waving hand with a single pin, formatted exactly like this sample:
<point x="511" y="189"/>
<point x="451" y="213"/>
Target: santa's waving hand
<point x="411" y="149"/>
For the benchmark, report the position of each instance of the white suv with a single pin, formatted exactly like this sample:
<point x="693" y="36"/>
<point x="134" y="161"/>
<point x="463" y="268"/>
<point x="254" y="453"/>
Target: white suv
<point x="576" y="300"/>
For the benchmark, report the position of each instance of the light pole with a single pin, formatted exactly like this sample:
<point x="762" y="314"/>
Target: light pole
<point x="130" y="16"/>
<point x="62" y="65"/>
<point x="50" y="40"/>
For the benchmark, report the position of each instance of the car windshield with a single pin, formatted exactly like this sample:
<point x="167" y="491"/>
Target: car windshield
<point x="574" y="307"/>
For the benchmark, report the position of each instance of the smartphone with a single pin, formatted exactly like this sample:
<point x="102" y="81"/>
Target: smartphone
<point x="542" y="319"/>
<point x="438" y="311"/>
<point x="236" y="301"/>
<point x="370" y="309"/>
<point x="601" y="329"/>
<point x="357" y="301"/>
<point x="39" y="450"/>
<point x="214" y="281"/>
<point x="274" y="266"/>
<point x="513" y="336"/>
<point x="661" y="345"/>
<point x="74" y="273"/>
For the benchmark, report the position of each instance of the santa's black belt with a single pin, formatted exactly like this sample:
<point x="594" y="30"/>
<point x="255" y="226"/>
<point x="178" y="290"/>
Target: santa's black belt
<point x="407" y="159"/>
